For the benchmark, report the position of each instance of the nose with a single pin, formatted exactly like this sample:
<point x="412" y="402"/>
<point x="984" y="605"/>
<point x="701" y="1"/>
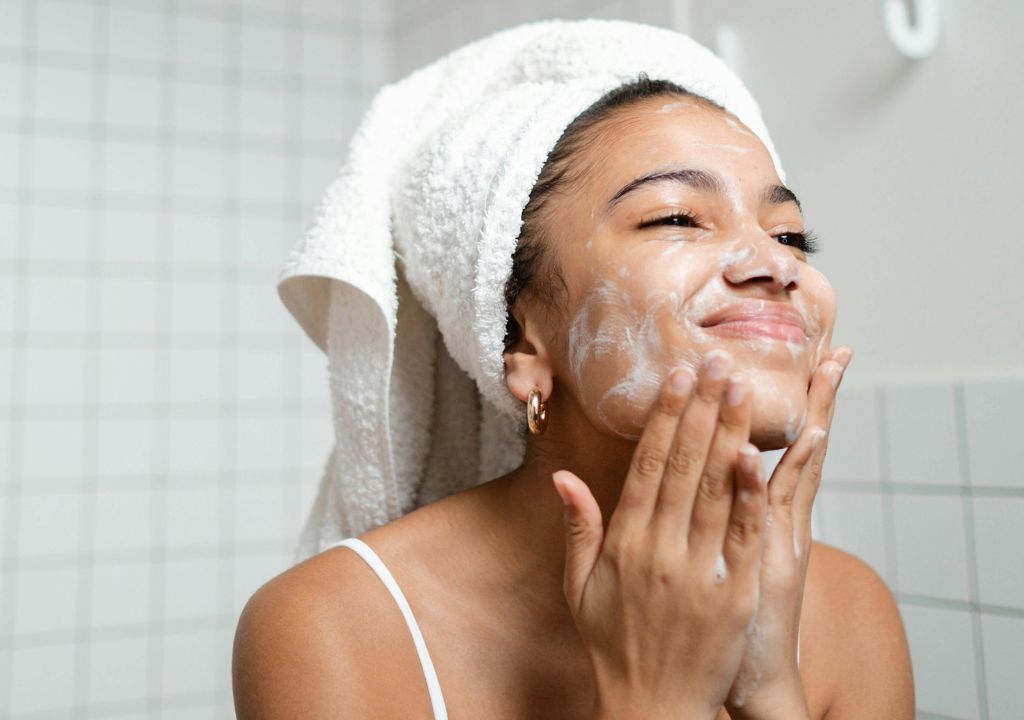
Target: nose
<point x="762" y="260"/>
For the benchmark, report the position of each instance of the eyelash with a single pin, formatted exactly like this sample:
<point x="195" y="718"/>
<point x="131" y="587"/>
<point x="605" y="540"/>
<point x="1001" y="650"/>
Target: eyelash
<point x="807" y="243"/>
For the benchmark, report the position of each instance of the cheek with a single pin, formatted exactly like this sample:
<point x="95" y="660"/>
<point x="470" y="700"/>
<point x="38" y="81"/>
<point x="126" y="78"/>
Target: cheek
<point x="818" y="303"/>
<point x="620" y="351"/>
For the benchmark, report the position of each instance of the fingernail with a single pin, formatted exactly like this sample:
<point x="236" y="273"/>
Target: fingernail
<point x="837" y="375"/>
<point x="560" y="488"/>
<point x="845" y="358"/>
<point x="750" y="456"/>
<point x="817" y="435"/>
<point x="717" y="363"/>
<point x="736" y="391"/>
<point x="681" y="381"/>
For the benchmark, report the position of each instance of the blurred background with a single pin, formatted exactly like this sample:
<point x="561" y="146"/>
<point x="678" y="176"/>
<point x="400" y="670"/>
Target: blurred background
<point x="164" y="422"/>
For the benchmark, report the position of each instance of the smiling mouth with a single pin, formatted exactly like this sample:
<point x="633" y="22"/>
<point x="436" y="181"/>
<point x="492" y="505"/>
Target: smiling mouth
<point x="772" y="327"/>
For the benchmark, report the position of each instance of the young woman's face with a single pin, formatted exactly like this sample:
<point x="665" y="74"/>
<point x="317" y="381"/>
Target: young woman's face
<point x="649" y="291"/>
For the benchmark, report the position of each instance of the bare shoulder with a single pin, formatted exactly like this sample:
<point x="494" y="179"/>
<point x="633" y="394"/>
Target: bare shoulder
<point x="861" y="640"/>
<point x="311" y="642"/>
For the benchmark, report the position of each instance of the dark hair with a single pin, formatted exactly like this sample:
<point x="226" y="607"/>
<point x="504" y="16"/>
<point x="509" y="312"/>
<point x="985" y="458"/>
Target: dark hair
<point x="533" y="270"/>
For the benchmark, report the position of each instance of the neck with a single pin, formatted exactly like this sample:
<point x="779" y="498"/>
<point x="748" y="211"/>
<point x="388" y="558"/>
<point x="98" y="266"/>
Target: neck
<point x="527" y="515"/>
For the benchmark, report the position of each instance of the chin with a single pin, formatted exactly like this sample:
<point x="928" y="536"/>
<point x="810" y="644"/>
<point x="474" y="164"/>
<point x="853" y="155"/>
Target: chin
<point x="778" y="417"/>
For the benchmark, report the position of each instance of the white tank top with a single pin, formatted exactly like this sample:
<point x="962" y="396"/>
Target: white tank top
<point x="373" y="560"/>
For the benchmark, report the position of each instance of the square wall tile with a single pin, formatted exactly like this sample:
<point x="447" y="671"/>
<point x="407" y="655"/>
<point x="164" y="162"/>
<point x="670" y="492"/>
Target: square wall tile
<point x="49" y="524"/>
<point x="46" y="599"/>
<point x="43" y="680"/>
<point x="131" y="236"/>
<point x="923" y="439"/>
<point x="1004" y="658"/>
<point x="11" y="30"/>
<point x="51" y="449"/>
<point x="994" y="429"/>
<point x="133" y="167"/>
<point x="259" y="514"/>
<point x="193" y="445"/>
<point x="124" y="521"/>
<point x="60" y="164"/>
<point x="942" y="655"/>
<point x="201" y="40"/>
<point x="129" y="304"/>
<point x="195" y="375"/>
<point x="64" y="94"/>
<point x="121" y="593"/>
<point x="999" y="540"/>
<point x="198" y="239"/>
<point x="134" y="34"/>
<point x="264" y="177"/>
<point x="192" y="588"/>
<point x="118" y="670"/>
<point x="134" y="100"/>
<point x="852" y="521"/>
<point x="58" y="304"/>
<point x="190" y="664"/>
<point x="59" y="233"/>
<point x="931" y="552"/>
<point x="124" y="447"/>
<point x="65" y="26"/>
<point x="127" y="375"/>
<point x="55" y="376"/>
<point x="853" y="452"/>
<point x="193" y="517"/>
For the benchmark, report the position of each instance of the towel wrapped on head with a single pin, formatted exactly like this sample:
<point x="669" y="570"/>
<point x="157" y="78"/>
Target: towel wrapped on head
<point x="400" y="277"/>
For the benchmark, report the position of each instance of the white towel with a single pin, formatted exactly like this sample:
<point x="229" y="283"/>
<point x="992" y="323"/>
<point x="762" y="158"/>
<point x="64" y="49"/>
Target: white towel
<point x="400" y="278"/>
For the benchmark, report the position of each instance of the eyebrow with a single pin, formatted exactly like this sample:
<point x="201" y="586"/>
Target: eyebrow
<point x="704" y="181"/>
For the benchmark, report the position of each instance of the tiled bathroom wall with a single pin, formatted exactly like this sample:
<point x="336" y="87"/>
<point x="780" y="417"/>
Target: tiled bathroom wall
<point x="924" y="483"/>
<point x="163" y="421"/>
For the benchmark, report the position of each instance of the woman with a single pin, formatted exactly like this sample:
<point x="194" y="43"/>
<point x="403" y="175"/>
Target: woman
<point x="664" y="325"/>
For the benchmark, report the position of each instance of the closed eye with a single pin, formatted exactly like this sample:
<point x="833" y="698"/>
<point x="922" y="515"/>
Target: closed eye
<point x="807" y="241"/>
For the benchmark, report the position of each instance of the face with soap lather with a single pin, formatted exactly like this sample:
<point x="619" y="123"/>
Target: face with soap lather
<point x="680" y="239"/>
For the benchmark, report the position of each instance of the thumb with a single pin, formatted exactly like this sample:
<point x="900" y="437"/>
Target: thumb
<point x="583" y="533"/>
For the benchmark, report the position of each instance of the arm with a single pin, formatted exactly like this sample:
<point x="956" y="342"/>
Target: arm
<point x="287" y="658"/>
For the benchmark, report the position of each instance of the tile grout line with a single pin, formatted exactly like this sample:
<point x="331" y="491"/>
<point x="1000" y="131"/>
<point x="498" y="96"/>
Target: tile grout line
<point x="885" y="474"/>
<point x="165" y="208"/>
<point x="93" y="344"/>
<point x="967" y="510"/>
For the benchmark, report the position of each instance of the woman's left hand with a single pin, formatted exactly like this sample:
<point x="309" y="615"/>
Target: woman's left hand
<point x="768" y="683"/>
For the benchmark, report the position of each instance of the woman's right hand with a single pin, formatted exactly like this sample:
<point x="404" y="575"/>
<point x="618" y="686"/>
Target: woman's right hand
<point x="664" y="598"/>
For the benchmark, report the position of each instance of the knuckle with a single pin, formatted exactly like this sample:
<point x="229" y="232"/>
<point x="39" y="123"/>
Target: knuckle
<point x="680" y="462"/>
<point x="710" y="489"/>
<point x="744" y="530"/>
<point x="649" y="462"/>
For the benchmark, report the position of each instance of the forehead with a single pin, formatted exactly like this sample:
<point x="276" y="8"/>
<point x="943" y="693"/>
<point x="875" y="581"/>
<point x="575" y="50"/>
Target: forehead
<point x="668" y="131"/>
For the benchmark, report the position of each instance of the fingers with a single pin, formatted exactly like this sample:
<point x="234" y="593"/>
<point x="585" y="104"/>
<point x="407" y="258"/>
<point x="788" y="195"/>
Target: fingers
<point x="640" y="489"/>
<point x="745" y="535"/>
<point x="688" y="456"/>
<point x="798" y="473"/>
<point x="712" y="503"/>
<point x="583" y="534"/>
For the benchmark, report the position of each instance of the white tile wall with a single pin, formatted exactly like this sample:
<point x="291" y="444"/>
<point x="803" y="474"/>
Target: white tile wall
<point x="944" y="662"/>
<point x="943" y="514"/>
<point x="144" y="409"/>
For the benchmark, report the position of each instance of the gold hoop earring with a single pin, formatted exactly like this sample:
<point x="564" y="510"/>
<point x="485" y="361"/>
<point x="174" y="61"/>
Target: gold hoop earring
<point x="536" y="412"/>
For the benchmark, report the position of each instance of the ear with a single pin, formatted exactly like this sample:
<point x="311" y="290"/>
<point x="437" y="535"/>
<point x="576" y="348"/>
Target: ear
<point x="527" y="364"/>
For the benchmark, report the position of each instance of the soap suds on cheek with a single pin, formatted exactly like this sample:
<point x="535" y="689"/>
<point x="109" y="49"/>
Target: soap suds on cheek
<point x="617" y="333"/>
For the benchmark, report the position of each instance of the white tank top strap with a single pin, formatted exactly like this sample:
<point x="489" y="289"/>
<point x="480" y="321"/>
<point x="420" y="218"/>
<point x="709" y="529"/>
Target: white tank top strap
<point x="373" y="560"/>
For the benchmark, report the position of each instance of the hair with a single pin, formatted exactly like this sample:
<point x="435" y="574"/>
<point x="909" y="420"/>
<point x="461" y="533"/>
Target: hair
<point x="535" y="272"/>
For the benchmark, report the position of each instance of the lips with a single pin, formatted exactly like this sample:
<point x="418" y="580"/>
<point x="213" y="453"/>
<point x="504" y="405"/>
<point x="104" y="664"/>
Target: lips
<point x="759" y="317"/>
